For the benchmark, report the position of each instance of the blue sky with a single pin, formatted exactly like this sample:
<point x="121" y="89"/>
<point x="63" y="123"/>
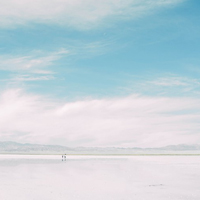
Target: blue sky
<point x="66" y="52"/>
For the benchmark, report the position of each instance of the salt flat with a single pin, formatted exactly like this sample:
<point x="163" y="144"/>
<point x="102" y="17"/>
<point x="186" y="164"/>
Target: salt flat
<point x="49" y="177"/>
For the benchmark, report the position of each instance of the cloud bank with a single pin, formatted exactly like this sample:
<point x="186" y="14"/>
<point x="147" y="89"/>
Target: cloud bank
<point x="79" y="14"/>
<point x="127" y="122"/>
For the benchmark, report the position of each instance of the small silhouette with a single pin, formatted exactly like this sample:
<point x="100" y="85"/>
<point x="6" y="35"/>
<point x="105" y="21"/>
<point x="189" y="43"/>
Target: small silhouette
<point x="64" y="157"/>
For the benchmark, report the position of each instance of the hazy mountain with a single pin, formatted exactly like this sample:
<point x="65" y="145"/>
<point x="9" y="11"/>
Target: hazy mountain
<point x="182" y="147"/>
<point x="15" y="148"/>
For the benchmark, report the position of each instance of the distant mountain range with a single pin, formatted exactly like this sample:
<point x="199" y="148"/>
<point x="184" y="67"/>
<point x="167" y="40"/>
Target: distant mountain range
<point x="14" y="147"/>
<point x="18" y="148"/>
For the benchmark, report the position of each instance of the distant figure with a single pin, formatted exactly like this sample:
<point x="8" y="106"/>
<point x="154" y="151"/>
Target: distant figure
<point x="64" y="157"/>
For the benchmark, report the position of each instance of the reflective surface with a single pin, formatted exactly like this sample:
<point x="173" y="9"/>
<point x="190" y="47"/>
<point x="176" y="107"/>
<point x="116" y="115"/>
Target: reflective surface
<point x="99" y="178"/>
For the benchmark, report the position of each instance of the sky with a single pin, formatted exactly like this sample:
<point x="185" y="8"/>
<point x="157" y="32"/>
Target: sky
<point x="107" y="73"/>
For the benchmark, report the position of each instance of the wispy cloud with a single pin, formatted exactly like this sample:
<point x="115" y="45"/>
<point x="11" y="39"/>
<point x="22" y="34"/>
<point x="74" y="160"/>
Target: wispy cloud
<point x="34" y="63"/>
<point x="80" y="14"/>
<point x="170" y="81"/>
<point x="38" y="61"/>
<point x="167" y="84"/>
<point x="32" y="78"/>
<point x="175" y="81"/>
<point x="127" y="122"/>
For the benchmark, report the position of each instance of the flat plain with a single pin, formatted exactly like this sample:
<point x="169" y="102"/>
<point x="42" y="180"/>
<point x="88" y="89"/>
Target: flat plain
<point x="49" y="177"/>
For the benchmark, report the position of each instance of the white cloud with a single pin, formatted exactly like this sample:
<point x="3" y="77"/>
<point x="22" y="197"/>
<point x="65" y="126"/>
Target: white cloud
<point x="34" y="63"/>
<point x="175" y="81"/>
<point x="37" y="61"/>
<point x="128" y="121"/>
<point x="81" y="14"/>
<point x="32" y="78"/>
<point x="165" y="84"/>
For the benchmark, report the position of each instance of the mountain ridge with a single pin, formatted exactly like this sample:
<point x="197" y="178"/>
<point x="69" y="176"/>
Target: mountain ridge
<point x="10" y="147"/>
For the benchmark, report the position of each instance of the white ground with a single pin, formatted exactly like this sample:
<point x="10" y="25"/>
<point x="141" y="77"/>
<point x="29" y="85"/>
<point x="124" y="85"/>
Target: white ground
<point x="99" y="178"/>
